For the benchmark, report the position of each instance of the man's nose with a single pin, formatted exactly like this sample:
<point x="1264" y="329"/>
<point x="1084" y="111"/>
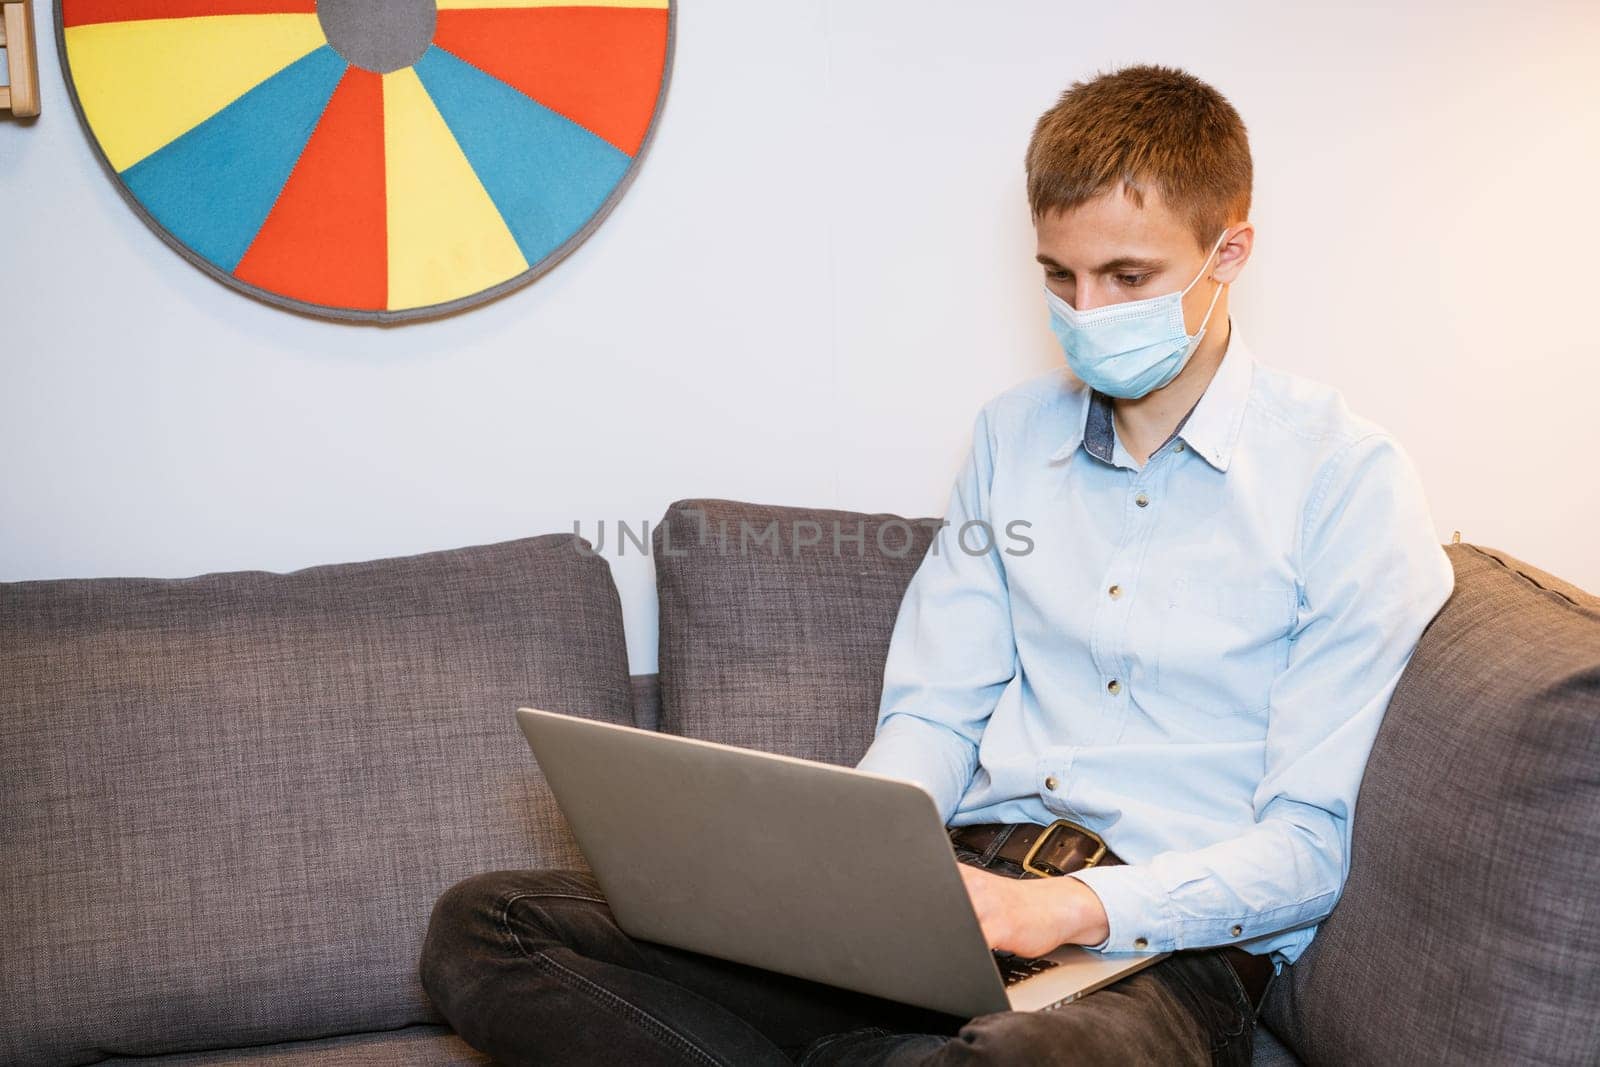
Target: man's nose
<point x="1090" y="296"/>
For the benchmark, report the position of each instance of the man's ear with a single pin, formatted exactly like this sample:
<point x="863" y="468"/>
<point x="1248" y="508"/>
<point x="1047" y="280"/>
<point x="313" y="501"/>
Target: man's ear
<point x="1234" y="253"/>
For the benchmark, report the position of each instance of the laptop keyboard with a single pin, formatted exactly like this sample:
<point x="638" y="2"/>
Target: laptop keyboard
<point x="1015" y="968"/>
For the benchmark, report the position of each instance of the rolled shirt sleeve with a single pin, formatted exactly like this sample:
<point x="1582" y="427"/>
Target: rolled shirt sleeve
<point x="952" y="651"/>
<point x="1372" y="576"/>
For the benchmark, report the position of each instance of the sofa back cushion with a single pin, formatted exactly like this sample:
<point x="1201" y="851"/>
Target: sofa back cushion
<point x="231" y="800"/>
<point x="775" y="622"/>
<point x="1469" y="928"/>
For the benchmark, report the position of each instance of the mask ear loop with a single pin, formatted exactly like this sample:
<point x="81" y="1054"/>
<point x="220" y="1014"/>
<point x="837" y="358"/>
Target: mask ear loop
<point x="1220" y="285"/>
<point x="1209" y="254"/>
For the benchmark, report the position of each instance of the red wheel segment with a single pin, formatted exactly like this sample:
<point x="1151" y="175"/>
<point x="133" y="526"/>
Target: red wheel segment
<point x="598" y="66"/>
<point x="325" y="241"/>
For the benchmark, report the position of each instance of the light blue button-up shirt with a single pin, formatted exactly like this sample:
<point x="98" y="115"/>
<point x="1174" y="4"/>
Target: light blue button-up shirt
<point x="1190" y="658"/>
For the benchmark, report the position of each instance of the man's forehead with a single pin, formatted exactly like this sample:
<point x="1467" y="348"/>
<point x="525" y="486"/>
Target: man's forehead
<point x="1109" y="229"/>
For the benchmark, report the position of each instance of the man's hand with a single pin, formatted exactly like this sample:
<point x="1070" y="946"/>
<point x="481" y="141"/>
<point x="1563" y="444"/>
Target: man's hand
<point x="1033" y="916"/>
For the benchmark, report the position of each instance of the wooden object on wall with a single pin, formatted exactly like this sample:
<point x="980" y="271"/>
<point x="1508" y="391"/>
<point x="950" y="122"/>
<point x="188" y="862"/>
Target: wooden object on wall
<point x="16" y="36"/>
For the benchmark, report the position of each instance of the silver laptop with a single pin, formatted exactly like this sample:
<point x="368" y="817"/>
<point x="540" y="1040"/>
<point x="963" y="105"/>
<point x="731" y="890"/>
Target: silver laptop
<point x="823" y="872"/>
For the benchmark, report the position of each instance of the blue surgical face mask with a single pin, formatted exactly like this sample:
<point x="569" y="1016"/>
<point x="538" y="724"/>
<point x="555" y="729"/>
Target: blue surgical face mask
<point x="1133" y="348"/>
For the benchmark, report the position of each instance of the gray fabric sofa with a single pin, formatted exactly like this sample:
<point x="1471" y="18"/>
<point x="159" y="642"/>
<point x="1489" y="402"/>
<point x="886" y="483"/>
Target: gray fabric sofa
<point x="230" y="801"/>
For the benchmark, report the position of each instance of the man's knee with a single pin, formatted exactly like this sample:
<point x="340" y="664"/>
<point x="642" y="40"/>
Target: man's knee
<point x="1136" y="1020"/>
<point x="476" y="906"/>
<point x="466" y="926"/>
<point x="1032" y="1037"/>
<point x="1115" y="1029"/>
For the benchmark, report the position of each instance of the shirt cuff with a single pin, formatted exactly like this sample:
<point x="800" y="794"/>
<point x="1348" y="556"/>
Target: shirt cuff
<point x="1136" y="906"/>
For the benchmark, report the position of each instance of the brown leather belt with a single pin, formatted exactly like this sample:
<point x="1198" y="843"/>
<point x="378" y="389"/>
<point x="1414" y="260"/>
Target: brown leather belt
<point x="1063" y="847"/>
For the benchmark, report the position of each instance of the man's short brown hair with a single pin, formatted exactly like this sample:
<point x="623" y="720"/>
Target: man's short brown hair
<point x="1144" y="127"/>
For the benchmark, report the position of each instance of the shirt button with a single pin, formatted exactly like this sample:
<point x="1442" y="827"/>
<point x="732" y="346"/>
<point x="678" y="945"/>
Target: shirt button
<point x="1115" y="591"/>
<point x="1050" y="783"/>
<point x="1113" y="687"/>
<point x="1237" y="930"/>
<point x="1178" y="447"/>
<point x="1140" y="942"/>
<point x="1142" y="500"/>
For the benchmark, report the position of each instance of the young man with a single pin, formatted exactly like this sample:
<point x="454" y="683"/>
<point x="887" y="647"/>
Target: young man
<point x="1225" y="573"/>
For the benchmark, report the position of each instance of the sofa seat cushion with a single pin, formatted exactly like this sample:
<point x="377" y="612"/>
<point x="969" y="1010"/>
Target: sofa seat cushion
<point x="1469" y="928"/>
<point x="775" y="622"/>
<point x="412" y="1046"/>
<point x="232" y="800"/>
<point x="1267" y="1051"/>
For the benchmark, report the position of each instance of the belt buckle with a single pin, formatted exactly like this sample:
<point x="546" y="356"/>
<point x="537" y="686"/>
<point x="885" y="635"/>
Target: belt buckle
<point x="1033" y="850"/>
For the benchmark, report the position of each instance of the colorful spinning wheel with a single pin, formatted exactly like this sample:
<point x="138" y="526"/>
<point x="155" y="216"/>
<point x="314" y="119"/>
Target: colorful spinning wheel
<point x="369" y="159"/>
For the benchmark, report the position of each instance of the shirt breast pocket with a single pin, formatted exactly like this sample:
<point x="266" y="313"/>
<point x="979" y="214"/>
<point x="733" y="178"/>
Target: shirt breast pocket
<point x="1223" y="643"/>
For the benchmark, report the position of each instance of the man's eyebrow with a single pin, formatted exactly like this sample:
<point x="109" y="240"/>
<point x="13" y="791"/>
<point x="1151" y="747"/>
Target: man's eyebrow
<point x="1121" y="263"/>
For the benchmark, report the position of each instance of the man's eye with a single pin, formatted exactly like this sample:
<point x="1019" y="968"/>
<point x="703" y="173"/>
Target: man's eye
<point x="1132" y="280"/>
<point x="1058" y="275"/>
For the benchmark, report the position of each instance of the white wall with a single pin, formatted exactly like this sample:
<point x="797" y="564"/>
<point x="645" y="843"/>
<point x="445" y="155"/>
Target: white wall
<point x="823" y="268"/>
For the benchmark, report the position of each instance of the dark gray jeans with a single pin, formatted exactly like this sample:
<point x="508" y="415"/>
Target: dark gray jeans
<point x="530" y="967"/>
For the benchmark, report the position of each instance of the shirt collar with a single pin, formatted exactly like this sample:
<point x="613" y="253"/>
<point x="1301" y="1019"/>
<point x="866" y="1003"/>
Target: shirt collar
<point x="1211" y="427"/>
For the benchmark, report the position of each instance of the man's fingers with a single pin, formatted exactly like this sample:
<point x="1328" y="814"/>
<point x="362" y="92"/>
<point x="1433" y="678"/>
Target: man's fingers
<point x="994" y="900"/>
<point x="980" y="890"/>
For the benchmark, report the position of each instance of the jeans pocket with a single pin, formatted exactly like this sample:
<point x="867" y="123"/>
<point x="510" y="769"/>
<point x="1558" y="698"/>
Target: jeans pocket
<point x="1219" y="1000"/>
<point x="1233" y="1043"/>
